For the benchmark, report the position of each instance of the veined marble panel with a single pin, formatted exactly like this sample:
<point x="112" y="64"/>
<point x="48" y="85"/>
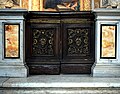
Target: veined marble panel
<point x="21" y="23"/>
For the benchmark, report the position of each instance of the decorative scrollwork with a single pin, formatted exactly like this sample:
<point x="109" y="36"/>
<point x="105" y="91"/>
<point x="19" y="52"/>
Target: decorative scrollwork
<point x="78" y="41"/>
<point x="42" y="42"/>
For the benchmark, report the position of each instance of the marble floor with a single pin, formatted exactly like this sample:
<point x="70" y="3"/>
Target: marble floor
<point x="60" y="81"/>
<point x="60" y="84"/>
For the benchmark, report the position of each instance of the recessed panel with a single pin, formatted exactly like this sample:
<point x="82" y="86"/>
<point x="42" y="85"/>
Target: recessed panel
<point x="43" y="42"/>
<point x="11" y="41"/>
<point x="108" y="41"/>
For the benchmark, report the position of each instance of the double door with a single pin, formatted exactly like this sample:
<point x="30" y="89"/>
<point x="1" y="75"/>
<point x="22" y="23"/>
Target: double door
<point x="60" y="42"/>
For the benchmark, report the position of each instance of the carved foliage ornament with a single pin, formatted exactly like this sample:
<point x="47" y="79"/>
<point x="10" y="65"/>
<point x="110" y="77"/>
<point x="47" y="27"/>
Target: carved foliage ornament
<point x="42" y="42"/>
<point x="78" y="42"/>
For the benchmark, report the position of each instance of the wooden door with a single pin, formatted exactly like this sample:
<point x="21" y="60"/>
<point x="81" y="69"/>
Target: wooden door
<point x="42" y="44"/>
<point x="60" y="42"/>
<point x="77" y="42"/>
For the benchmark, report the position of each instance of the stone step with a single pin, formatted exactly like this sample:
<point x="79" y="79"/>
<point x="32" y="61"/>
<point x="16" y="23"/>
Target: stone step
<point x="60" y="84"/>
<point x="61" y="91"/>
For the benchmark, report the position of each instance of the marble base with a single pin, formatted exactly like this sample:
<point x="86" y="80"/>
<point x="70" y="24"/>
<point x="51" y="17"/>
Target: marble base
<point x="106" y="70"/>
<point x="2" y="80"/>
<point x="13" y="71"/>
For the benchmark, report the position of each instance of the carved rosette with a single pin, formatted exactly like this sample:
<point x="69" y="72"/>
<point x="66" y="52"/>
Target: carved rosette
<point x="42" y="42"/>
<point x="78" y="42"/>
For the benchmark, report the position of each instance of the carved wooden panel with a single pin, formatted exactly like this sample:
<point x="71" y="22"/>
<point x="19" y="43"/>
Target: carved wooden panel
<point x="43" y="42"/>
<point x="77" y="42"/>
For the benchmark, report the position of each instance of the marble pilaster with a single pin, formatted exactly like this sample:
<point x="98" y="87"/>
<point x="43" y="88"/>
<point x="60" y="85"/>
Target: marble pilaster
<point x="13" y="67"/>
<point x="106" y="67"/>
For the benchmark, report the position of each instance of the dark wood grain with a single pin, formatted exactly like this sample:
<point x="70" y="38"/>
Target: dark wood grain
<point x="44" y="69"/>
<point x="76" y="68"/>
<point x="70" y="52"/>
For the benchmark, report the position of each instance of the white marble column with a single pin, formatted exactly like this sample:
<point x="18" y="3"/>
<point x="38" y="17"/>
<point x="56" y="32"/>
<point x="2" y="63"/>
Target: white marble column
<point x="13" y="67"/>
<point x="110" y="66"/>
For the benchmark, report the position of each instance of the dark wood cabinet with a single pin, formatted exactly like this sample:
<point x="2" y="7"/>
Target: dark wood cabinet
<point x="60" y="42"/>
<point x="78" y="42"/>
